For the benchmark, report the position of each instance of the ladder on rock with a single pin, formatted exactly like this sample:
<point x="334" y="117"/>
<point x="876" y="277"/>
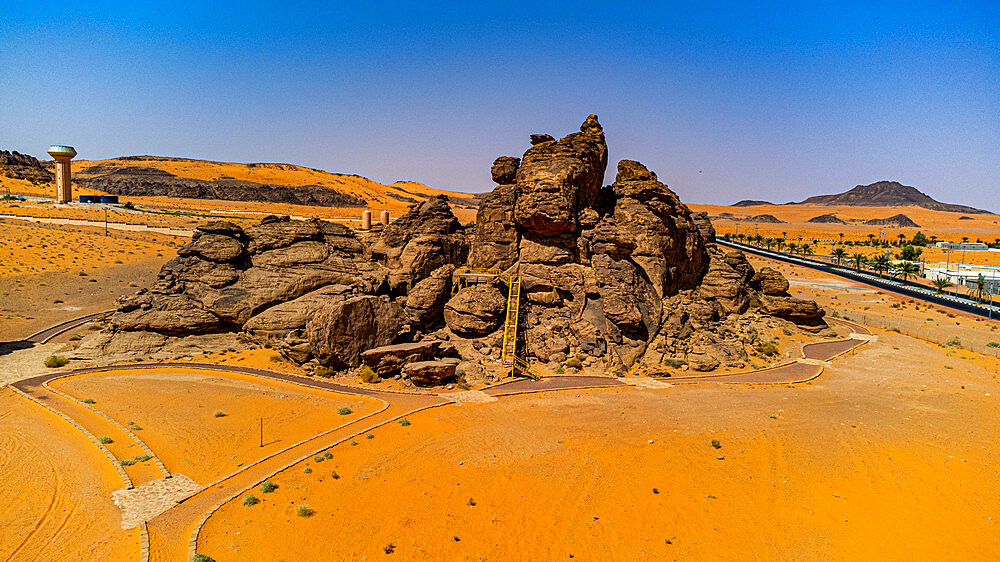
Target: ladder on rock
<point x="510" y="364"/>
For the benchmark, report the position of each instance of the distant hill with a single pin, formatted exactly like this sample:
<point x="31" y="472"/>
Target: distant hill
<point x="895" y="220"/>
<point x="769" y="219"/>
<point x="751" y="203"/>
<point x="888" y="194"/>
<point x="827" y="219"/>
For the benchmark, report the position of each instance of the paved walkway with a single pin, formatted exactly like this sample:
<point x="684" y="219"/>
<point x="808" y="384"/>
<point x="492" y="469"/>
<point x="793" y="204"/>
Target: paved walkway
<point x="173" y="533"/>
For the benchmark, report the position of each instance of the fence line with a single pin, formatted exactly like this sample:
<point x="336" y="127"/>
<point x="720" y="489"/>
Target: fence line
<point x="921" y="330"/>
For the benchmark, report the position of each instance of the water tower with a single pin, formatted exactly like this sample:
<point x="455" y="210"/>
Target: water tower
<point x="64" y="187"/>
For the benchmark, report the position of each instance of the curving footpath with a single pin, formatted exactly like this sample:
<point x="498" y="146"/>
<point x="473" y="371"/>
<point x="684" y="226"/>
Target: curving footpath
<point x="173" y="534"/>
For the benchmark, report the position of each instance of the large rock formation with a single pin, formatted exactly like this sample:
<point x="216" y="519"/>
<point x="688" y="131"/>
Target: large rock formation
<point x="622" y="274"/>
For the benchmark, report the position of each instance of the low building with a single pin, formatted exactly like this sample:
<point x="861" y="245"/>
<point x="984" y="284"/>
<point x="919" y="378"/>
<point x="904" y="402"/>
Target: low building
<point x="968" y="246"/>
<point x="966" y="275"/>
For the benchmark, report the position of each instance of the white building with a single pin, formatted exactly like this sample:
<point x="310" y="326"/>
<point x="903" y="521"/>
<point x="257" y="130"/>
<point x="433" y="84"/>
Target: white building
<point x="970" y="246"/>
<point x="966" y="275"/>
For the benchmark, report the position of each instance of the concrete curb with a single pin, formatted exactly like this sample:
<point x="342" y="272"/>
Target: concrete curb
<point x="140" y="442"/>
<point x="193" y="542"/>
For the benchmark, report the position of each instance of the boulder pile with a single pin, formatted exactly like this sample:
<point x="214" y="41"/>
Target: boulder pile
<point x="619" y="275"/>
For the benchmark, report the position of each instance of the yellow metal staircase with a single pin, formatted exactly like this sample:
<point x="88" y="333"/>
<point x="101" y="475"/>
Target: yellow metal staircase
<point x="510" y="363"/>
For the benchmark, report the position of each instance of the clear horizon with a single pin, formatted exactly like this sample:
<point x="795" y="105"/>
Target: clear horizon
<point x="723" y="102"/>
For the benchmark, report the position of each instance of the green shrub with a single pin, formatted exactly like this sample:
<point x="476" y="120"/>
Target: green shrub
<point x="472" y="502"/>
<point x="250" y="500"/>
<point x="767" y="348"/>
<point x="389" y="548"/>
<point x="324" y="371"/>
<point x="328" y="455"/>
<point x="559" y="370"/>
<point x="303" y="510"/>
<point x="574" y="363"/>
<point x="267" y="486"/>
<point x="334" y="475"/>
<point x="368" y="375"/>
<point x="143" y="458"/>
<point x="307" y="470"/>
<point x="344" y="411"/>
<point x="319" y="458"/>
<point x="369" y="436"/>
<point x="786" y="331"/>
<point x="128" y="205"/>
<point x="404" y="422"/>
<point x="88" y="401"/>
<point x="993" y="344"/>
<point x="105" y="439"/>
<point x="219" y="414"/>
<point x="656" y="491"/>
<point x="716" y="444"/>
<point x="954" y="341"/>
<point x="126" y="462"/>
<point x="55" y="361"/>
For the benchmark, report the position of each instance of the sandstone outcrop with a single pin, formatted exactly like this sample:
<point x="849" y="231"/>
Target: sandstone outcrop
<point x="619" y="275"/>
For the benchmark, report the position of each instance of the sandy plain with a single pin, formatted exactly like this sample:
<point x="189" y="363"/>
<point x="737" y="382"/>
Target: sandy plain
<point x="57" y="501"/>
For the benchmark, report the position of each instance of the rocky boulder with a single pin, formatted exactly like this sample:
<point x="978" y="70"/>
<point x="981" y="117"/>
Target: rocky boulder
<point x="339" y="332"/>
<point x="475" y="310"/>
<point x="558" y="179"/>
<point x="388" y="360"/>
<point x="429" y="373"/>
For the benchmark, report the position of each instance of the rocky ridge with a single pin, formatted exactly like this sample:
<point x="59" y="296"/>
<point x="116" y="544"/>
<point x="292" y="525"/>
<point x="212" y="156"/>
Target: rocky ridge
<point x="19" y="166"/>
<point x="620" y="276"/>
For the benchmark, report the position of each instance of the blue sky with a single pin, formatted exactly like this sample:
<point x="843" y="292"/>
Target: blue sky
<point x="723" y="101"/>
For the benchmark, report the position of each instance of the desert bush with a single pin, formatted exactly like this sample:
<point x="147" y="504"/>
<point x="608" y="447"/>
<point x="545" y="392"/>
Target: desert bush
<point x="319" y="458"/>
<point x="88" y="401"/>
<point x="126" y="462"/>
<point x="344" y="411"/>
<point x="267" y="486"/>
<point x="142" y="458"/>
<point x="368" y="375"/>
<point x="104" y="439"/>
<point x="835" y="314"/>
<point x="56" y="361"/>
<point x="334" y="475"/>
<point x="656" y="491"/>
<point x="472" y="502"/>
<point x="219" y="414"/>
<point x="303" y="510"/>
<point x="767" y="348"/>
<point x="307" y="470"/>
<point x="559" y="370"/>
<point x="128" y="205"/>
<point x="404" y="422"/>
<point x="786" y="331"/>
<point x="250" y="500"/>
<point x="574" y="363"/>
<point x="993" y="344"/>
<point x="389" y="548"/>
<point x="328" y="455"/>
<point x="953" y="341"/>
<point x="716" y="444"/>
<point x="369" y="436"/>
<point x="324" y="371"/>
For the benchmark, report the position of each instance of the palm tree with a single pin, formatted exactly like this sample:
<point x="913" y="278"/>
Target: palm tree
<point x="792" y="247"/>
<point x="859" y="260"/>
<point x="871" y="239"/>
<point x="908" y="269"/>
<point x="779" y="243"/>
<point x="941" y="283"/>
<point x="805" y="249"/>
<point x="741" y="237"/>
<point x="902" y="238"/>
<point x="980" y="285"/>
<point x="839" y="254"/>
<point x="965" y="239"/>
<point x="881" y="263"/>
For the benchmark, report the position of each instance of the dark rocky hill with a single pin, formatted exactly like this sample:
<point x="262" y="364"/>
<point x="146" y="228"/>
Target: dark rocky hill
<point x="767" y="219"/>
<point x="900" y="220"/>
<point x="888" y="194"/>
<point x="827" y="219"/>
<point x="751" y="203"/>
<point x="618" y="276"/>
<point x="19" y="166"/>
